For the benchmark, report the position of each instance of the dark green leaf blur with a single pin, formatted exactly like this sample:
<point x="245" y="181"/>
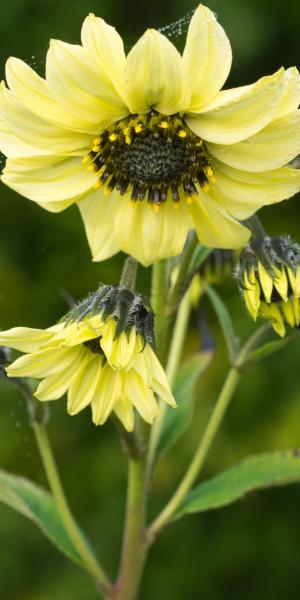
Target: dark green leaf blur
<point x="248" y="550"/>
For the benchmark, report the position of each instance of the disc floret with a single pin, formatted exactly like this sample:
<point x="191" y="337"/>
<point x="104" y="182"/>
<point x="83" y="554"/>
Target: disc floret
<point x="152" y="157"/>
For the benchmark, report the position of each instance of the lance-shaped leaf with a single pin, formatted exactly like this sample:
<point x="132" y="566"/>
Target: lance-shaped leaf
<point x="231" y="339"/>
<point x="254" y="473"/>
<point x="177" y="421"/>
<point x="37" y="505"/>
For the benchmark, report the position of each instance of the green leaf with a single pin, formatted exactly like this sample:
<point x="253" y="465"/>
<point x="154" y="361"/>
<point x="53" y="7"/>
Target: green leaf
<point x="177" y="420"/>
<point x="231" y="339"/>
<point x="38" y="505"/>
<point x="254" y="473"/>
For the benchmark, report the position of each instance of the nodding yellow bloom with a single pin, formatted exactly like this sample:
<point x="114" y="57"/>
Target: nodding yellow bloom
<point x="269" y="280"/>
<point x="214" y="269"/>
<point x="118" y="135"/>
<point x="95" y="364"/>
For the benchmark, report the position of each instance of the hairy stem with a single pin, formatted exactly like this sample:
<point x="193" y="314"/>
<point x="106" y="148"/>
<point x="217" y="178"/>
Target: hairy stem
<point x="134" y="547"/>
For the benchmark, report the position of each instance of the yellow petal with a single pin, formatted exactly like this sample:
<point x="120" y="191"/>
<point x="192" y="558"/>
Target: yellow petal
<point x="272" y="313"/>
<point x="12" y="146"/>
<point x="207" y="57"/>
<point x="25" y="339"/>
<point x="98" y="214"/>
<point x="252" y="294"/>
<point x="42" y="363"/>
<point x="245" y="190"/>
<point x="141" y="396"/>
<point x="241" y="117"/>
<point x="160" y="382"/>
<point x="215" y="227"/>
<point x="294" y="279"/>
<point x="37" y="132"/>
<point x="106" y="46"/>
<point x="124" y="411"/>
<point x="55" y="386"/>
<point x="281" y="283"/>
<point x="288" y="311"/>
<point x="83" y="386"/>
<point x="34" y="93"/>
<point x="107" y="394"/>
<point x="266" y="282"/>
<point x="148" y="235"/>
<point x="274" y="146"/>
<point x="155" y="75"/>
<point x="118" y="351"/>
<point x="48" y="179"/>
<point x="81" y="86"/>
<point x="79" y="332"/>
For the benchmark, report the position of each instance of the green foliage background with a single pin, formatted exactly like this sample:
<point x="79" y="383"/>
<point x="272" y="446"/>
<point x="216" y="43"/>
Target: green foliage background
<point x="250" y="550"/>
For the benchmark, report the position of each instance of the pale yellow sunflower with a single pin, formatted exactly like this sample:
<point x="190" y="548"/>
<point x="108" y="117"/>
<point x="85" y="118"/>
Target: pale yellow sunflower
<point x="86" y="360"/>
<point x="121" y="135"/>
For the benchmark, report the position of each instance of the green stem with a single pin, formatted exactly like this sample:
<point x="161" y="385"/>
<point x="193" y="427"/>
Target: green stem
<point x="129" y="273"/>
<point x="134" y="546"/>
<point x="158" y="302"/>
<point x="212" y="428"/>
<point x="171" y="370"/>
<point x="78" y="540"/>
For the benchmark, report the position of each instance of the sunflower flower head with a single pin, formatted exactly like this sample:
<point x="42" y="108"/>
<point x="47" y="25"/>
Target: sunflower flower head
<point x="100" y="353"/>
<point x="268" y="276"/>
<point x="149" y="145"/>
<point x="214" y="269"/>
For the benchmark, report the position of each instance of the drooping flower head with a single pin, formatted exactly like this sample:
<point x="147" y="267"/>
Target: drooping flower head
<point x="100" y="353"/>
<point x="147" y="145"/>
<point x="269" y="280"/>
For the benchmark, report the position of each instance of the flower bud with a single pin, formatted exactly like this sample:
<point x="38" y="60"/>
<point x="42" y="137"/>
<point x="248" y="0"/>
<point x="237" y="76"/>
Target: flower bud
<point x="268" y="276"/>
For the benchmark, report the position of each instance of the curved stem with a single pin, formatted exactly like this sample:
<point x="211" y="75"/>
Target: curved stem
<point x="75" y="534"/>
<point x="212" y="428"/>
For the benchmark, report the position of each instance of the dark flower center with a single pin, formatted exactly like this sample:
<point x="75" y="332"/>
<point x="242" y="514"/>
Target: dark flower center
<point x="151" y="156"/>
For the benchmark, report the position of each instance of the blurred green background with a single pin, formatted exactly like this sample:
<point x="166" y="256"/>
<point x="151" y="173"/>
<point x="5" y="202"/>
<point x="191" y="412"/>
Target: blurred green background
<point x="250" y="550"/>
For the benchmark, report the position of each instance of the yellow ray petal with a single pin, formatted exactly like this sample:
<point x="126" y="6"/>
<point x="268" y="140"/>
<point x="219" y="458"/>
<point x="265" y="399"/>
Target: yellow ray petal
<point x="34" y="93"/>
<point x="148" y="235"/>
<point x="81" y="87"/>
<point x="215" y="227"/>
<point x="98" y="214"/>
<point x="141" y="396"/>
<point x="35" y="131"/>
<point x="25" y="339"/>
<point x="48" y="179"/>
<point x="244" y="190"/>
<point x="207" y="57"/>
<point x="241" y="117"/>
<point x="107" y="394"/>
<point x="106" y="46"/>
<point x="43" y="362"/>
<point x="156" y="77"/>
<point x="83" y="386"/>
<point x="55" y="386"/>
<point x="124" y="411"/>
